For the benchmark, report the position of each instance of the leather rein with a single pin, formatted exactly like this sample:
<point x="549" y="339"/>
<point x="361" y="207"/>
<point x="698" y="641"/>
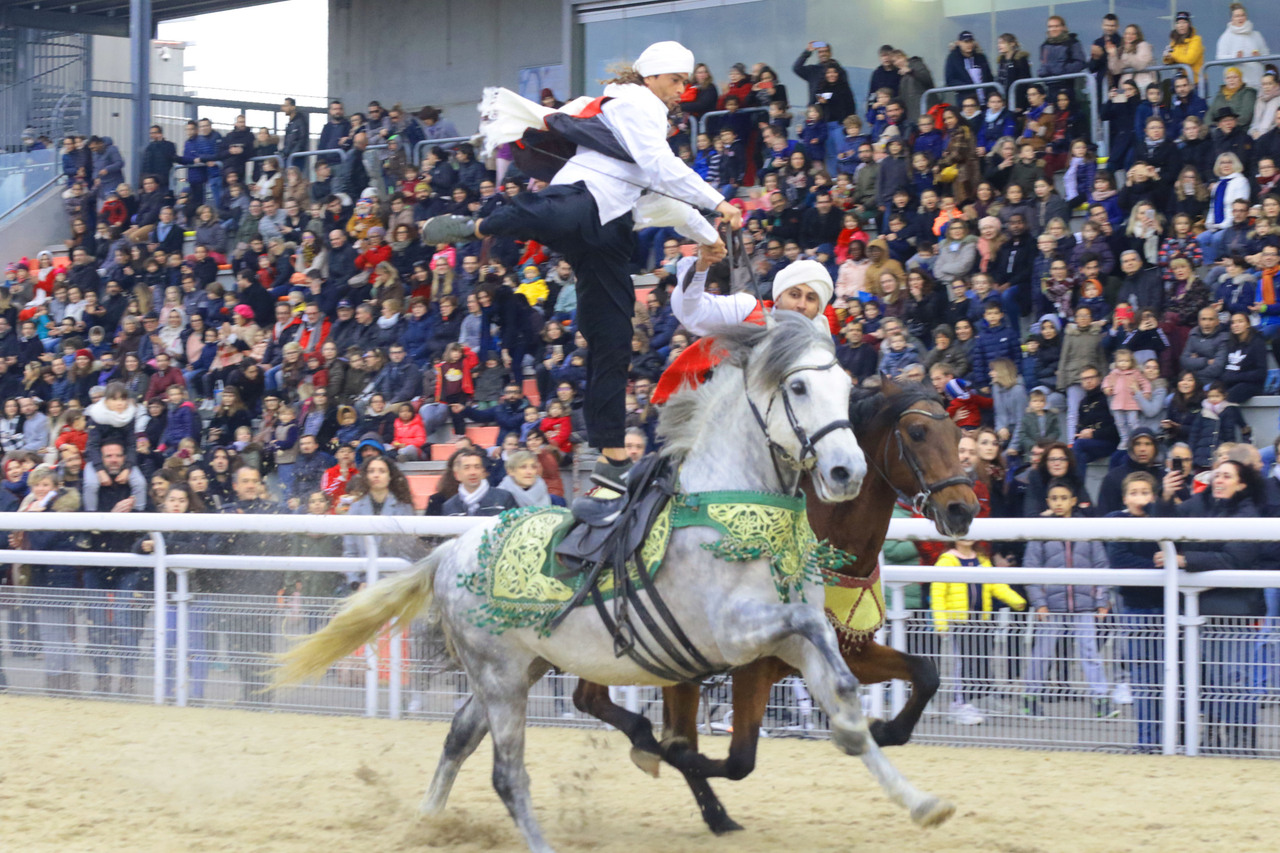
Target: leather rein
<point x="919" y="502"/>
<point x="808" y="443"/>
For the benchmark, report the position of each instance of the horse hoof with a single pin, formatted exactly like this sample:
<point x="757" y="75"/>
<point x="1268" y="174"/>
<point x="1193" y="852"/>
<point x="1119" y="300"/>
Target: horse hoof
<point x="932" y="812"/>
<point x="725" y="826"/>
<point x="646" y="761"/>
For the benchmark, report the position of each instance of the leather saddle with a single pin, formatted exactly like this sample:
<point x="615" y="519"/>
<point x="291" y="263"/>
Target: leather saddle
<point x="610" y="536"/>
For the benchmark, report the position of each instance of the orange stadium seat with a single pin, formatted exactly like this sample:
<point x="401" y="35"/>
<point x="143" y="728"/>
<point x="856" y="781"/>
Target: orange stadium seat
<point x="422" y="486"/>
<point x="530" y="387"/>
<point x="483" y="436"/>
<point x="442" y="452"/>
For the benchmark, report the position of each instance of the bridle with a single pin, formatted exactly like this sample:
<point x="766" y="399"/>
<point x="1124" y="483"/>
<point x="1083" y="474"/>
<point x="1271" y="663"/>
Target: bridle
<point x="808" y="443"/>
<point x="920" y="501"/>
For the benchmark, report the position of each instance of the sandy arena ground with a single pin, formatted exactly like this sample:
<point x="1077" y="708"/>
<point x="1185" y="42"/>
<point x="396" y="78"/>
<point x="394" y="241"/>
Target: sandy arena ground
<point x="88" y="776"/>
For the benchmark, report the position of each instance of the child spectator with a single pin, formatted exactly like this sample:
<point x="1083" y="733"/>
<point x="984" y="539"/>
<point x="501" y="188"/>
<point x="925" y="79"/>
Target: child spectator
<point x="348" y="425"/>
<point x="410" y="434"/>
<point x="1124" y="384"/>
<point x="1038" y="425"/>
<point x="1219" y="421"/>
<point x="1009" y="398"/>
<point x="489" y="382"/>
<point x="896" y="354"/>
<point x="1152" y="405"/>
<point x="847" y="153"/>
<point x="558" y="428"/>
<point x="453" y="378"/>
<point x="1066" y="611"/>
<point x="1081" y="347"/>
<point x="963" y="610"/>
<point x="965" y="406"/>
<point x="813" y="133"/>
<point x="1145" y="652"/>
<point x="1091" y="295"/>
<point x="929" y="140"/>
<point x="706" y="161"/>
<point x="733" y="163"/>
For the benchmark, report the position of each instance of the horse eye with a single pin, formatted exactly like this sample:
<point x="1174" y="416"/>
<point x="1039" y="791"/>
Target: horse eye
<point x="916" y="433"/>
<point x="798" y="388"/>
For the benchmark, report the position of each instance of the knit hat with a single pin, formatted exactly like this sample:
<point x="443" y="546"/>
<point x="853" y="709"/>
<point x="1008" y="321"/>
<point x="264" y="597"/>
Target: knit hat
<point x="958" y="389"/>
<point x="807" y="272"/>
<point x="245" y="311"/>
<point x="664" y="57"/>
<point x="84" y="352"/>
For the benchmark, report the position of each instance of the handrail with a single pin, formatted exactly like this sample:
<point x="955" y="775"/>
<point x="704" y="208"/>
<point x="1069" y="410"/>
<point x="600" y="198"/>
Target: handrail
<point x="924" y="98"/>
<point x="420" y="148"/>
<point x="341" y="152"/>
<point x="1091" y="94"/>
<point x="696" y="123"/>
<point x="1187" y="70"/>
<point x="1218" y="63"/>
<point x="17" y="207"/>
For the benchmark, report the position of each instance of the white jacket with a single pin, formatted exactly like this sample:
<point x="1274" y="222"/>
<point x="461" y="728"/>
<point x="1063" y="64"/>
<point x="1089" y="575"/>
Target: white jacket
<point x="1237" y="187"/>
<point x="1244" y="40"/>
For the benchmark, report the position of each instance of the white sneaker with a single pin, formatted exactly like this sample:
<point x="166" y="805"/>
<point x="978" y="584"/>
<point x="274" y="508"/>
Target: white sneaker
<point x="967" y="715"/>
<point x="1122" y="694"/>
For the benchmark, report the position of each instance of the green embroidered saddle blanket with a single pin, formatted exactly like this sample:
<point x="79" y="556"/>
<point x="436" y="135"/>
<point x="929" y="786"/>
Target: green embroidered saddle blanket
<point x="525" y="586"/>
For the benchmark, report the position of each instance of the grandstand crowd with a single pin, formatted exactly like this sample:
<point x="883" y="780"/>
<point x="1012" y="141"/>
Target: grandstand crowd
<point x="251" y="331"/>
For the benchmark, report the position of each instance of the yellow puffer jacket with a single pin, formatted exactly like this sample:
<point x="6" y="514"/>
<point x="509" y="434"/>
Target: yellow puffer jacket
<point x="950" y="601"/>
<point x="1190" y="52"/>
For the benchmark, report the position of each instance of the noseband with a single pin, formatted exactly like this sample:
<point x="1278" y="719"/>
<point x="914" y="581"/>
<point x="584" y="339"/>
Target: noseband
<point x="920" y="501"/>
<point x="808" y="443"/>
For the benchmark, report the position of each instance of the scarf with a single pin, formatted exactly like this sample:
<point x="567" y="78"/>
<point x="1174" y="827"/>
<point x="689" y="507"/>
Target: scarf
<point x="535" y="495"/>
<point x="388" y="322"/>
<point x="1220" y="201"/>
<point x="472" y="499"/>
<point x="1267" y="284"/>
<point x="399" y="245"/>
<point x="993" y="117"/>
<point x="1069" y="179"/>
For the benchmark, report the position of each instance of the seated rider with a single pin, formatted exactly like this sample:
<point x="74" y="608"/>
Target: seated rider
<point x="803" y="286"/>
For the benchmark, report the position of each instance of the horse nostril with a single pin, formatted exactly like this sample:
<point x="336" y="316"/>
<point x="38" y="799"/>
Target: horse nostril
<point x="840" y="474"/>
<point x="959" y="513"/>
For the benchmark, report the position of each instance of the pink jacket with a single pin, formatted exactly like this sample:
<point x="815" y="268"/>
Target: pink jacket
<point x="1116" y="386"/>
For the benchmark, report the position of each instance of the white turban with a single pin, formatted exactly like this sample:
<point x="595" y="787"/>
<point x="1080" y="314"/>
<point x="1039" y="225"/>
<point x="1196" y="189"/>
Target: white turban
<point x="664" y="57"/>
<point x="811" y="273"/>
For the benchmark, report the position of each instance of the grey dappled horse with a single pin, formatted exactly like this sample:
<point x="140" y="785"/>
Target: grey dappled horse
<point x="776" y="403"/>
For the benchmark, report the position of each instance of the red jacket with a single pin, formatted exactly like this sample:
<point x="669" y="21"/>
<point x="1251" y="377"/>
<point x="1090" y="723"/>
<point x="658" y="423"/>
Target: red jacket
<point x="160" y="382"/>
<point x="71" y="435"/>
<point x="468" y="364"/>
<point x="558" y="432"/>
<point x="410" y="433"/>
<point x="370" y="258"/>
<point x="334" y="482"/>
<point x="304" y="337"/>
<point x="968" y="413"/>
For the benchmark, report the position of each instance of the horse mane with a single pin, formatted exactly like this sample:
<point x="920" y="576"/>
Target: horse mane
<point x="768" y="352"/>
<point x="871" y="408"/>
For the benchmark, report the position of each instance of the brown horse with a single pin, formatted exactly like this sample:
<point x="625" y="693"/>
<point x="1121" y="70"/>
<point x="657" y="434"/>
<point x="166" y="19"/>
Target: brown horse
<point x="911" y="447"/>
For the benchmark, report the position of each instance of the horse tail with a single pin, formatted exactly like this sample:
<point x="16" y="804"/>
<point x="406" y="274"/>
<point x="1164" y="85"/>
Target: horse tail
<point x="396" y="600"/>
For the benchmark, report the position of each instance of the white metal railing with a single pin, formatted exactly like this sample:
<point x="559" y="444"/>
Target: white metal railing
<point x="1164" y="531"/>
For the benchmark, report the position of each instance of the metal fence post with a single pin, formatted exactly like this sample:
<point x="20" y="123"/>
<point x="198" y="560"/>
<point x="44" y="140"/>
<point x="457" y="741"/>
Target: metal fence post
<point x="182" y="642"/>
<point x="1169" y="676"/>
<point x="371" y="647"/>
<point x="1191" y="662"/>
<point x="161" y="588"/>
<point x="897" y="616"/>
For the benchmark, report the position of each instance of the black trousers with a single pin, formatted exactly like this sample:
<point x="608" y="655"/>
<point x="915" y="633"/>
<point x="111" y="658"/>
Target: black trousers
<point x="565" y="217"/>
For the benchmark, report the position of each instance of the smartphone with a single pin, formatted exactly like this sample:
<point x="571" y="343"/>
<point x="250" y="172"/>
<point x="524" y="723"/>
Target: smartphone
<point x="558" y="349"/>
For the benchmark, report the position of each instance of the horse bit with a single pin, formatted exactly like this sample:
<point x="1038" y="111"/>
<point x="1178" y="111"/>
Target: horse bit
<point x="920" y="500"/>
<point x="808" y="443"/>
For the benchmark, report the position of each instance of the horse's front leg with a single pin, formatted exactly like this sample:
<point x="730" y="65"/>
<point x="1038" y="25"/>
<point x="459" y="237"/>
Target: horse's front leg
<point x="805" y="639"/>
<point x="873" y="663"/>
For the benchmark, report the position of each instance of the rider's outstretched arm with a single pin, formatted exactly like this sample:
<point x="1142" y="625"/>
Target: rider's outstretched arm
<point x="700" y="312"/>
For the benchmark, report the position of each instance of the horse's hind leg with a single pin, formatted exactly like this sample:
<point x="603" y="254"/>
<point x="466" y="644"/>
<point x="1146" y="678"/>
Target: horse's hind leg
<point x="506" y="701"/>
<point x="469" y="727"/>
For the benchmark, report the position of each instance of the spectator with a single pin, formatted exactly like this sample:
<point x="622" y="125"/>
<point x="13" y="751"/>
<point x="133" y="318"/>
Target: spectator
<point x="1066" y="610"/>
<point x="1185" y="46"/>
<point x="1229" y="709"/>
<point x="1061" y="52"/>
<point x="387" y="495"/>
<point x="1095" y="434"/>
<point x="523" y="481"/>
<point x="1218" y="421"/>
<point x="1241" y="41"/>
<point x="475" y="496"/>
<point x="964" y="611"/>
<point x="1128" y="60"/>
<point x="967" y="64"/>
<point x="1245" y="369"/>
